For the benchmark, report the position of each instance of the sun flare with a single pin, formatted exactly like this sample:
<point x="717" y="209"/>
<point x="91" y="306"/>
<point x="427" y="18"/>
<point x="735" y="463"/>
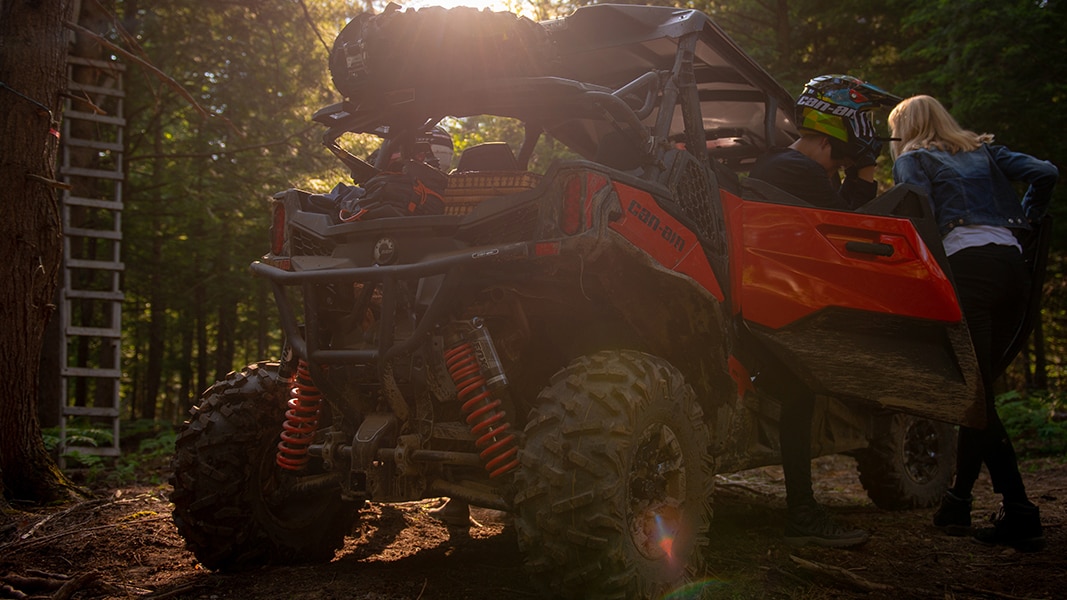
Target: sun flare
<point x="499" y="5"/>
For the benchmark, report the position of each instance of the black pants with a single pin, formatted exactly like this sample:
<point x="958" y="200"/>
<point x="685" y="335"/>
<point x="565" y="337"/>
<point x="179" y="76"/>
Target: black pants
<point x="794" y="429"/>
<point x="794" y="435"/>
<point x="993" y="283"/>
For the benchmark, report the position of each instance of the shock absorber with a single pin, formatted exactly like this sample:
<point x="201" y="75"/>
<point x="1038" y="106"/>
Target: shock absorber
<point x="476" y="370"/>
<point x="301" y="420"/>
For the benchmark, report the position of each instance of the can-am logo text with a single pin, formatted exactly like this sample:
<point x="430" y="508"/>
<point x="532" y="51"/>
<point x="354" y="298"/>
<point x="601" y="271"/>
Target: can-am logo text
<point x="826" y="107"/>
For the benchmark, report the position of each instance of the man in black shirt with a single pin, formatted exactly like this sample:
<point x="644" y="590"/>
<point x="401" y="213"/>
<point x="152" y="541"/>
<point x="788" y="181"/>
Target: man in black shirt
<point x="837" y="134"/>
<point x="806" y="170"/>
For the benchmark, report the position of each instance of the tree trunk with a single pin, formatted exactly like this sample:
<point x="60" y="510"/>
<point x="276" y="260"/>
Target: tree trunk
<point x="50" y="375"/>
<point x="227" y="310"/>
<point x="201" y="322"/>
<point x="783" y="32"/>
<point x="1040" y="381"/>
<point x="184" y="400"/>
<point x="157" y="298"/>
<point x="5" y="508"/>
<point x="156" y="332"/>
<point x="33" y="51"/>
<point x="264" y="305"/>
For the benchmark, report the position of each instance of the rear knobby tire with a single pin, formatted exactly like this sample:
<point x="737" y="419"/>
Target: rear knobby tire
<point x="909" y="462"/>
<point x="232" y="504"/>
<point x="615" y="480"/>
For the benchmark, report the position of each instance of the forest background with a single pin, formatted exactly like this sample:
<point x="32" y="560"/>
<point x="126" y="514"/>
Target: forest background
<point x="199" y="176"/>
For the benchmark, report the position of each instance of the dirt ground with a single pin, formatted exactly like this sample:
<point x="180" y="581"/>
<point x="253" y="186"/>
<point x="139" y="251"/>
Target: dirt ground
<point x="123" y="545"/>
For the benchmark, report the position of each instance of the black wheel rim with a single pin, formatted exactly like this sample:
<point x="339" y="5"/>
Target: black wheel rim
<point x="657" y="491"/>
<point x="921" y="448"/>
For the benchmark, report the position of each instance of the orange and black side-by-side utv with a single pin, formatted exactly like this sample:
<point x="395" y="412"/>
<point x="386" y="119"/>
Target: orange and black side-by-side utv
<point x="578" y="341"/>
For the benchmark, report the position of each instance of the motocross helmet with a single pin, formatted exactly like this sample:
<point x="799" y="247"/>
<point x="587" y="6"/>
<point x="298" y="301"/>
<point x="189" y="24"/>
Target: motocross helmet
<point x="840" y="106"/>
<point x="435" y="146"/>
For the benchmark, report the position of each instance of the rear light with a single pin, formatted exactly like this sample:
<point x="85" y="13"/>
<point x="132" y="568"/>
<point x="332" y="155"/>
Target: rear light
<point x="578" y="193"/>
<point x="571" y="219"/>
<point x="277" y="229"/>
<point x="546" y="248"/>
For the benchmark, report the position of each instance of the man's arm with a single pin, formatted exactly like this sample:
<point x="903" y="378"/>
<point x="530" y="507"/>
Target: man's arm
<point x="802" y="177"/>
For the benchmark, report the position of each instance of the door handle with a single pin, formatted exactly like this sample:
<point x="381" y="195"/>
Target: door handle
<point x="870" y="248"/>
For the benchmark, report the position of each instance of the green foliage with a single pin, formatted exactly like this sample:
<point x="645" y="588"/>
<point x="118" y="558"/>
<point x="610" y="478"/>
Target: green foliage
<point x="470" y="131"/>
<point x="95" y="464"/>
<point x="146" y="445"/>
<point x="78" y="434"/>
<point x="1036" y="423"/>
<point x="198" y="187"/>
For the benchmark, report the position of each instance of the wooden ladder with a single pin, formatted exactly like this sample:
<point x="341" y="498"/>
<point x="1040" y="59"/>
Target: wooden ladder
<point x="91" y="297"/>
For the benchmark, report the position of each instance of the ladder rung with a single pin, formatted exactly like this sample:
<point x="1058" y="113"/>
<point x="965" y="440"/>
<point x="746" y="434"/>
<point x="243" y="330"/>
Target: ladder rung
<point x="94" y="450"/>
<point x="108" y="65"/>
<point x="92" y="233"/>
<point x="95" y="295"/>
<point x="103" y="332"/>
<point x="90" y="372"/>
<point x="92" y="202"/>
<point x="90" y="411"/>
<point x="99" y="173"/>
<point x="88" y="116"/>
<point x="95" y="89"/>
<point x="95" y="144"/>
<point x="101" y="265"/>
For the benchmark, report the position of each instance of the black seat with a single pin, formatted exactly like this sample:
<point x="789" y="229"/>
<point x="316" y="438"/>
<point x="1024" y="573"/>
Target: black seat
<point x="490" y="156"/>
<point x="618" y="150"/>
<point x="761" y="191"/>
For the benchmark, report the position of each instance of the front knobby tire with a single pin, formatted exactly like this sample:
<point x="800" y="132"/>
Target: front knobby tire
<point x="232" y="504"/>
<point x="909" y="462"/>
<point x="615" y="480"/>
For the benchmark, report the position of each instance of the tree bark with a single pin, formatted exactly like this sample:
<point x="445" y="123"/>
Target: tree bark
<point x="1040" y="381"/>
<point x="227" y="310"/>
<point x="157" y="313"/>
<point x="201" y="322"/>
<point x="33" y="51"/>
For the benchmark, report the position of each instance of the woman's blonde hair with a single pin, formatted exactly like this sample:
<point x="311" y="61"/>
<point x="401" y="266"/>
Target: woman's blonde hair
<point x="922" y="122"/>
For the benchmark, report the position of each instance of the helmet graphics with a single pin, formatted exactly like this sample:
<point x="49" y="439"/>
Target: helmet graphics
<point x="840" y="107"/>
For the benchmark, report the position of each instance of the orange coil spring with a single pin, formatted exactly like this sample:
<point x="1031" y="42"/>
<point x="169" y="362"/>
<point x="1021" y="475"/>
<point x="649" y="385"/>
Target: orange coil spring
<point x="301" y="420"/>
<point x="498" y="450"/>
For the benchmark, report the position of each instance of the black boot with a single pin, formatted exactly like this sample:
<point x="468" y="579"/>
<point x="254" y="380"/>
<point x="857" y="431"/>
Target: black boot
<point x="813" y="524"/>
<point x="1016" y="524"/>
<point x="954" y="515"/>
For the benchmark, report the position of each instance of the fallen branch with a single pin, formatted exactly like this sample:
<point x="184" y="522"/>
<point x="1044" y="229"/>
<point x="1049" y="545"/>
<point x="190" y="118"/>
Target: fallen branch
<point x="35" y="584"/>
<point x="74" y="585"/>
<point x="173" y="592"/>
<point x="59" y="515"/>
<point x="26" y="543"/>
<point x="46" y="574"/>
<point x="974" y="590"/>
<point x="10" y="592"/>
<point x="788" y="575"/>
<point x="839" y="575"/>
<point x="37" y="525"/>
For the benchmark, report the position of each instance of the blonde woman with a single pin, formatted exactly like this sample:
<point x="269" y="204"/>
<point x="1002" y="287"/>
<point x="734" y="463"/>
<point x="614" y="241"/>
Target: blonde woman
<point x="969" y="182"/>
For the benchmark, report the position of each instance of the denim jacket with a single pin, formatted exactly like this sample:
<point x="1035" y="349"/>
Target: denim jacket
<point x="975" y="188"/>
